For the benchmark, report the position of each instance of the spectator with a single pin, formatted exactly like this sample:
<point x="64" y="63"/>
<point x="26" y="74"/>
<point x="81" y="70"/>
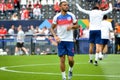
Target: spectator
<point x="24" y="13"/>
<point x="44" y="31"/>
<point x="117" y="36"/>
<point x="14" y="17"/>
<point x="86" y="33"/>
<point x="31" y="30"/>
<point x="30" y="9"/>
<point x="80" y="31"/>
<point x="37" y="30"/>
<point x="3" y="31"/>
<point x="10" y="7"/>
<point x="37" y="13"/>
<point x="2" y="7"/>
<point x="29" y="5"/>
<point x="16" y="4"/>
<point x="37" y="4"/>
<point x="11" y="31"/>
<point x="56" y="7"/>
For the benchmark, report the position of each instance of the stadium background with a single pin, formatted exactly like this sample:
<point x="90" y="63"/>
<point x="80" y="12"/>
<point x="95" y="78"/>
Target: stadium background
<point x="48" y="13"/>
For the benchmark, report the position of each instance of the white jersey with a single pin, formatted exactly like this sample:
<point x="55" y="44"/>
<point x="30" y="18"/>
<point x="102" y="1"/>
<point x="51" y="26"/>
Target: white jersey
<point x="95" y="16"/>
<point x="11" y="31"/>
<point x="20" y="36"/>
<point x="63" y="21"/>
<point x="106" y="27"/>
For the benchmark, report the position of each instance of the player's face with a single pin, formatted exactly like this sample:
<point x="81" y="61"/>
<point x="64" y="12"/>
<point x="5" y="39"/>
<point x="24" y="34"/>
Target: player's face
<point x="64" y="7"/>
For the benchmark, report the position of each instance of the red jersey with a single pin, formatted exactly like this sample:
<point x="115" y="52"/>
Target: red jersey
<point x="3" y="32"/>
<point x="2" y="7"/>
<point x="9" y="6"/>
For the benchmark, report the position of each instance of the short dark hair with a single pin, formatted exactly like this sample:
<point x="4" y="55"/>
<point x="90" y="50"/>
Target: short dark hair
<point x="62" y="2"/>
<point x="105" y="17"/>
<point x="95" y="7"/>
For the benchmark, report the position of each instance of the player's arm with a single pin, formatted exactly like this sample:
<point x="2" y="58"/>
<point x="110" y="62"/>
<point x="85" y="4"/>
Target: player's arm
<point x="52" y="30"/>
<point x="109" y="10"/>
<point x="53" y="33"/>
<point x="74" y="26"/>
<point x="82" y="10"/>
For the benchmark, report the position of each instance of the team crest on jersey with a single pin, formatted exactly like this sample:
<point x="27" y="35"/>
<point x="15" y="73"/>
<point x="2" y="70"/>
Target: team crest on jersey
<point x="69" y="18"/>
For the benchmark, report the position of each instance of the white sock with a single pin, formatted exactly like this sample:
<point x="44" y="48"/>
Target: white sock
<point x="27" y="53"/>
<point x="71" y="69"/>
<point x="63" y="75"/>
<point x="91" y="56"/>
<point x="96" y="56"/>
<point x="100" y="53"/>
<point x="16" y="53"/>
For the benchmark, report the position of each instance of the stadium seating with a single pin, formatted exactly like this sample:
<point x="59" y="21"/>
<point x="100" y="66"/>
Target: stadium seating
<point x="48" y="11"/>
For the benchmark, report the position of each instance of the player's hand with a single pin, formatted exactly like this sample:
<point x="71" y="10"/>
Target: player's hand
<point x="69" y="28"/>
<point x="57" y="39"/>
<point x="110" y="4"/>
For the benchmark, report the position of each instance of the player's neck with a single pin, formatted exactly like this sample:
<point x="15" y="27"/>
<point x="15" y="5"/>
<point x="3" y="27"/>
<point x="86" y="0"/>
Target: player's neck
<point x="63" y="12"/>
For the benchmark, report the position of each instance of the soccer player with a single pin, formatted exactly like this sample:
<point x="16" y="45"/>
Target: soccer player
<point x="65" y="22"/>
<point x="96" y="16"/>
<point x="20" y="42"/>
<point x="106" y="28"/>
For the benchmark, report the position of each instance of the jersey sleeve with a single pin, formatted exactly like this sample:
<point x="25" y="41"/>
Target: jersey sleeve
<point x="82" y="10"/>
<point x="54" y="20"/>
<point x="74" y="18"/>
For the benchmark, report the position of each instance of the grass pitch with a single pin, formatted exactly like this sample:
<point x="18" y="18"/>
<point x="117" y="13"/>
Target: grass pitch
<point x="46" y="67"/>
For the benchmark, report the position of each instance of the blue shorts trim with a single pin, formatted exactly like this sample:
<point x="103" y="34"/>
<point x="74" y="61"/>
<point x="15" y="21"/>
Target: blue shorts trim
<point x="95" y="36"/>
<point x="66" y="48"/>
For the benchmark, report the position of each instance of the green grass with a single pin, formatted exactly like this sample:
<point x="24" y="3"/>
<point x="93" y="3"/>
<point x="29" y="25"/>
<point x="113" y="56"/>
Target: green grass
<point x="46" y="67"/>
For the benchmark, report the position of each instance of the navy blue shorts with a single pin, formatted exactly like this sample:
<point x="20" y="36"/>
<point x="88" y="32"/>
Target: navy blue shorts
<point x="95" y="36"/>
<point x="104" y="41"/>
<point x="66" y="48"/>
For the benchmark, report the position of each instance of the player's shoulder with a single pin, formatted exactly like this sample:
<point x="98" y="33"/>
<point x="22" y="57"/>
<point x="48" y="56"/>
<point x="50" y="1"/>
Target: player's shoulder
<point x="70" y="13"/>
<point x="58" y="14"/>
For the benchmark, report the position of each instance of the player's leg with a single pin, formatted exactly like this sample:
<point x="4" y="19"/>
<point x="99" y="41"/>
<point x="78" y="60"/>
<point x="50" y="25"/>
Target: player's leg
<point x="91" y="46"/>
<point x="70" y="53"/>
<point x="101" y="51"/>
<point x="62" y="67"/>
<point x="105" y="50"/>
<point x="24" y="49"/>
<point x="17" y="48"/>
<point x="61" y="54"/>
<point x="98" y="45"/>
<point x="71" y="64"/>
<point x="97" y="54"/>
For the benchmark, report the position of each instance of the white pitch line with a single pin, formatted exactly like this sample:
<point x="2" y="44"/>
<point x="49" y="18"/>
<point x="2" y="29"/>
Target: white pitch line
<point x="47" y="73"/>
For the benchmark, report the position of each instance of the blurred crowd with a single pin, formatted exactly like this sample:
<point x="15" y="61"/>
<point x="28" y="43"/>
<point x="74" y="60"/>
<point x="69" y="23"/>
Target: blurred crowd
<point x="32" y="9"/>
